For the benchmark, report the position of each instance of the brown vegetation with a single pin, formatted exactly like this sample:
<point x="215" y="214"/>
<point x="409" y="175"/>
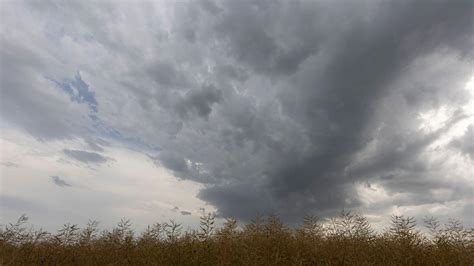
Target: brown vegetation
<point x="345" y="240"/>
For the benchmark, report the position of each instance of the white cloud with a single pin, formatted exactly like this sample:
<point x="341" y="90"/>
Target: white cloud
<point x="131" y="186"/>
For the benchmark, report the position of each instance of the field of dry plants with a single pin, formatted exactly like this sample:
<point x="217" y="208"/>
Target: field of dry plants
<point x="345" y="240"/>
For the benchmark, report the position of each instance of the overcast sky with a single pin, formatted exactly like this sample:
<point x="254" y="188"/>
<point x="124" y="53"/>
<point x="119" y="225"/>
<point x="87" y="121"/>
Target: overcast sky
<point x="165" y="109"/>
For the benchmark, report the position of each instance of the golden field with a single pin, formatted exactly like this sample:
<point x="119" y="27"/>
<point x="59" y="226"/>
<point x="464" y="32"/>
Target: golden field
<point x="345" y="240"/>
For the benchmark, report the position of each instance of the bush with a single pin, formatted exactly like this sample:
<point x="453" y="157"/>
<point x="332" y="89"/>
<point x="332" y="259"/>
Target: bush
<point x="345" y="240"/>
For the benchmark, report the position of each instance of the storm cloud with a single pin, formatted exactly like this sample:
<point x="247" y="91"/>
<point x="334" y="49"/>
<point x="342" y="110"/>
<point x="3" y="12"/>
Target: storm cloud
<point x="322" y="79"/>
<point x="273" y="106"/>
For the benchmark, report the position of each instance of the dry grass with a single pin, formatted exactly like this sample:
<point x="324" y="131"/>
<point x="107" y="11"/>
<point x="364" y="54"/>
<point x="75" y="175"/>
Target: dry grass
<point x="345" y="240"/>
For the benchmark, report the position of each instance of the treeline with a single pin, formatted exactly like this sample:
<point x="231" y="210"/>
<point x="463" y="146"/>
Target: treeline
<point x="345" y="240"/>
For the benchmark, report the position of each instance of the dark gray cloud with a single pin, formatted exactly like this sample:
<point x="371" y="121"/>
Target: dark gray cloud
<point x="173" y="162"/>
<point x="265" y="44"/>
<point x="199" y="102"/>
<point x="60" y="182"/>
<point x="185" y="213"/>
<point x="166" y="75"/>
<point x="85" y="156"/>
<point x="289" y="146"/>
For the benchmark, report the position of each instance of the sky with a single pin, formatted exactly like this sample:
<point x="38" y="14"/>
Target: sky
<point x="157" y="110"/>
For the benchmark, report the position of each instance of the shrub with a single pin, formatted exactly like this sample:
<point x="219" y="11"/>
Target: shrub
<point x="344" y="240"/>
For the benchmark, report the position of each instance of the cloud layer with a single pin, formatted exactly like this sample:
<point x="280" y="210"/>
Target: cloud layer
<point x="283" y="106"/>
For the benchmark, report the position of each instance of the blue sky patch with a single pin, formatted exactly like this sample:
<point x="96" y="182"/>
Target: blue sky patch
<point x="79" y="91"/>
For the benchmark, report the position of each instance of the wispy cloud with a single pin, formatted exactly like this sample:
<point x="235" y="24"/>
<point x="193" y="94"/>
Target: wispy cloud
<point x="60" y="182"/>
<point x="85" y="156"/>
<point x="9" y="164"/>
